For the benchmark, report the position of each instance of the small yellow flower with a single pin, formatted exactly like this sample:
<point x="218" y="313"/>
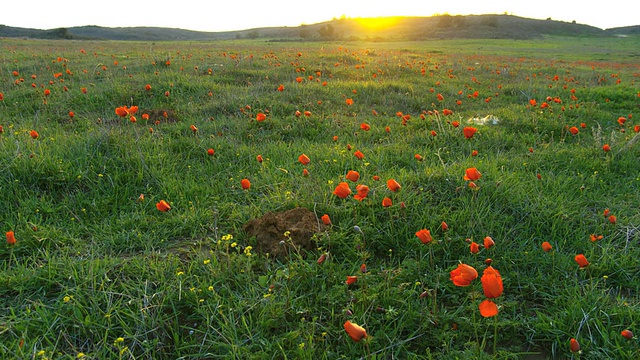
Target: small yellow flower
<point x="80" y="355"/>
<point x="210" y="288"/>
<point x="118" y="340"/>
<point x="180" y="273"/>
<point x="207" y="261"/>
<point x="40" y="353"/>
<point x="67" y="298"/>
<point x="234" y="244"/>
<point x="247" y="250"/>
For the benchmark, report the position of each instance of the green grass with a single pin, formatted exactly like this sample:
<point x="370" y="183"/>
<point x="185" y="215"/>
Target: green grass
<point x="96" y="271"/>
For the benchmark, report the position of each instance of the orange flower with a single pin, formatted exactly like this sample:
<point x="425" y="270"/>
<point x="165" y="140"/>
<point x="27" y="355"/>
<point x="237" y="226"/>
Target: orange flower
<point x="299" y="79"/>
<point x="574" y="345"/>
<point x="469" y="131"/>
<point x="440" y="97"/>
<point x="546" y="246"/>
<point x="147" y="87"/>
<point x="581" y="260"/>
<point x="386" y="202"/>
<point x="444" y="226"/>
<point x="574" y="130"/>
<point x="356" y="332"/>
<point x="281" y="87"/>
<point x="472" y="174"/>
<point x="474" y="153"/>
<point x="322" y="258"/>
<point x="363" y="192"/>
<point x="463" y="275"/>
<point x="261" y="117"/>
<point x="193" y="128"/>
<point x="533" y="102"/>
<point x="34" y="134"/>
<point x="636" y="128"/>
<point x="245" y="183"/>
<point x="342" y="190"/>
<point x="304" y="159"/>
<point x="163" y="206"/>
<point x="349" y="101"/>
<point x="326" y="219"/>
<point x="613" y="219"/>
<point x="307" y="113"/>
<point x="351" y="280"/>
<point x="393" y="185"/>
<point x="491" y="283"/>
<point x="622" y="120"/>
<point x="259" y="158"/>
<point x="606" y="148"/>
<point x="488" y="242"/>
<point x="488" y="308"/>
<point x="455" y="124"/>
<point x="606" y="212"/>
<point x="11" y="238"/>
<point x="211" y="152"/>
<point x="365" y="127"/>
<point x="418" y="157"/>
<point x="424" y="235"/>
<point x="358" y="154"/>
<point x="353" y="175"/>
<point x="305" y="172"/>
<point x="627" y="334"/>
<point x="594" y="237"/>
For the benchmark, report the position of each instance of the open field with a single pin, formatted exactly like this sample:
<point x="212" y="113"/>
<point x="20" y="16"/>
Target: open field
<point x="94" y="135"/>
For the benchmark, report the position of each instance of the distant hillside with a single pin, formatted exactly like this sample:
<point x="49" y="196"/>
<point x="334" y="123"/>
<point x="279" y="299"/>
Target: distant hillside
<point x="395" y="29"/>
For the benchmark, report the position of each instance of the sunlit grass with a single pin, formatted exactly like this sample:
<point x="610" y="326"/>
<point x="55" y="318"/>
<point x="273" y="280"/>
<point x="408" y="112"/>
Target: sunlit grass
<point x="97" y="270"/>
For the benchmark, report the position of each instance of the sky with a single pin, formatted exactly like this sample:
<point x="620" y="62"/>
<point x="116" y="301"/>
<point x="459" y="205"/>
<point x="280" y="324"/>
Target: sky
<point x="216" y="15"/>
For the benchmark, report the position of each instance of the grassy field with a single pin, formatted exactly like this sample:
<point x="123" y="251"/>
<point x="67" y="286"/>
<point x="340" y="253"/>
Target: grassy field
<point x="96" y="134"/>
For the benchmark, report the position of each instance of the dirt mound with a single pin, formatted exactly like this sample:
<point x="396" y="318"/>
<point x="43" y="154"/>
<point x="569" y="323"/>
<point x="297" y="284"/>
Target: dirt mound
<point x="269" y="231"/>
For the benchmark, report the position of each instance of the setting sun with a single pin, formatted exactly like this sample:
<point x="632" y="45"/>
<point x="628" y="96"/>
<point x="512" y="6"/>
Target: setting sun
<point x="378" y="23"/>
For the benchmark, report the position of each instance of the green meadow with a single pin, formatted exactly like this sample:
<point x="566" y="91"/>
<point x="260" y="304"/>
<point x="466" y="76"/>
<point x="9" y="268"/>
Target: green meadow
<point x="519" y="157"/>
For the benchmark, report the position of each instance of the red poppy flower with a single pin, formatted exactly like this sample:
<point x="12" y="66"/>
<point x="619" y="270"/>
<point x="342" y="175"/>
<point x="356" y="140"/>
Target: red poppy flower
<point x="245" y="183"/>
<point x="613" y="219"/>
<point x="193" y="128"/>
<point x="259" y="158"/>
<point x="472" y="174"/>
<point x="163" y="206"/>
<point x="488" y="308"/>
<point x="351" y="280"/>
<point x="574" y="130"/>
<point x="474" y="247"/>
<point x="444" y="226"/>
<point x="353" y="175"/>
<point x="147" y="87"/>
<point x="281" y="87"/>
<point x="474" y="153"/>
<point x="211" y="152"/>
<point x="546" y="246"/>
<point x="322" y="258"/>
<point x="594" y="237"/>
<point x="622" y="120"/>
<point x="469" y="131"/>
<point x="627" y="334"/>
<point x="606" y="148"/>
<point x="574" y="345"/>
<point x="304" y="159"/>
<point x="261" y="117"/>
<point x="440" y="97"/>
<point x="636" y="128"/>
<point x="11" y="238"/>
<point x="393" y="185"/>
<point x="488" y="242"/>
<point x="34" y="134"/>
<point x="581" y="260"/>
<point x="386" y="202"/>
<point x="418" y="157"/>
<point x="455" y="124"/>
<point x="349" y="101"/>
<point x="355" y="331"/>
<point x="342" y="190"/>
<point x="365" y="126"/>
<point x="305" y="172"/>
<point x="606" y="212"/>
<point x="358" y="154"/>
<point x="363" y="192"/>
<point x="533" y="102"/>
<point x="326" y="219"/>
<point x="463" y="275"/>
<point x="424" y="235"/>
<point x="491" y="283"/>
<point x="307" y="113"/>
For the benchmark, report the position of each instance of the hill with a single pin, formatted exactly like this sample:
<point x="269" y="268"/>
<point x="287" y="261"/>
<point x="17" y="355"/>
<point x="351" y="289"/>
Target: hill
<point x="380" y="29"/>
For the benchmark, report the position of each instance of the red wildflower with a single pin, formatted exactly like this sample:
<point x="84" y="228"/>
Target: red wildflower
<point x="574" y="345"/>
<point x="472" y="174"/>
<point x="488" y="242"/>
<point x="304" y="159"/>
<point x="245" y="183"/>
<point x="34" y="134"/>
<point x="351" y="280"/>
<point x="363" y="192"/>
<point x="488" y="308"/>
<point x="581" y="260"/>
<point x="358" y="154"/>
<point x="11" y="239"/>
<point x="463" y="275"/>
<point x="546" y="246"/>
<point x="474" y="247"/>
<point x="163" y="206"/>
<point x="355" y="331"/>
<point x="261" y="117"/>
<point x="386" y="202"/>
<point x="469" y="131"/>
<point x="342" y="190"/>
<point x="365" y="126"/>
<point x="627" y="334"/>
<point x="393" y="185"/>
<point x="211" y="152"/>
<point x="491" y="283"/>
<point x="424" y="235"/>
<point x="574" y="130"/>
<point x="326" y="219"/>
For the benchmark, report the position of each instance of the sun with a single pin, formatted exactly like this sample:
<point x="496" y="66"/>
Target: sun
<point x="378" y="23"/>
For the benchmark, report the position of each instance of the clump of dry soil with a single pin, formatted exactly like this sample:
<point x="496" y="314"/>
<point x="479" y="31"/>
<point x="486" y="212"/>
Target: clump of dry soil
<point x="269" y="231"/>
